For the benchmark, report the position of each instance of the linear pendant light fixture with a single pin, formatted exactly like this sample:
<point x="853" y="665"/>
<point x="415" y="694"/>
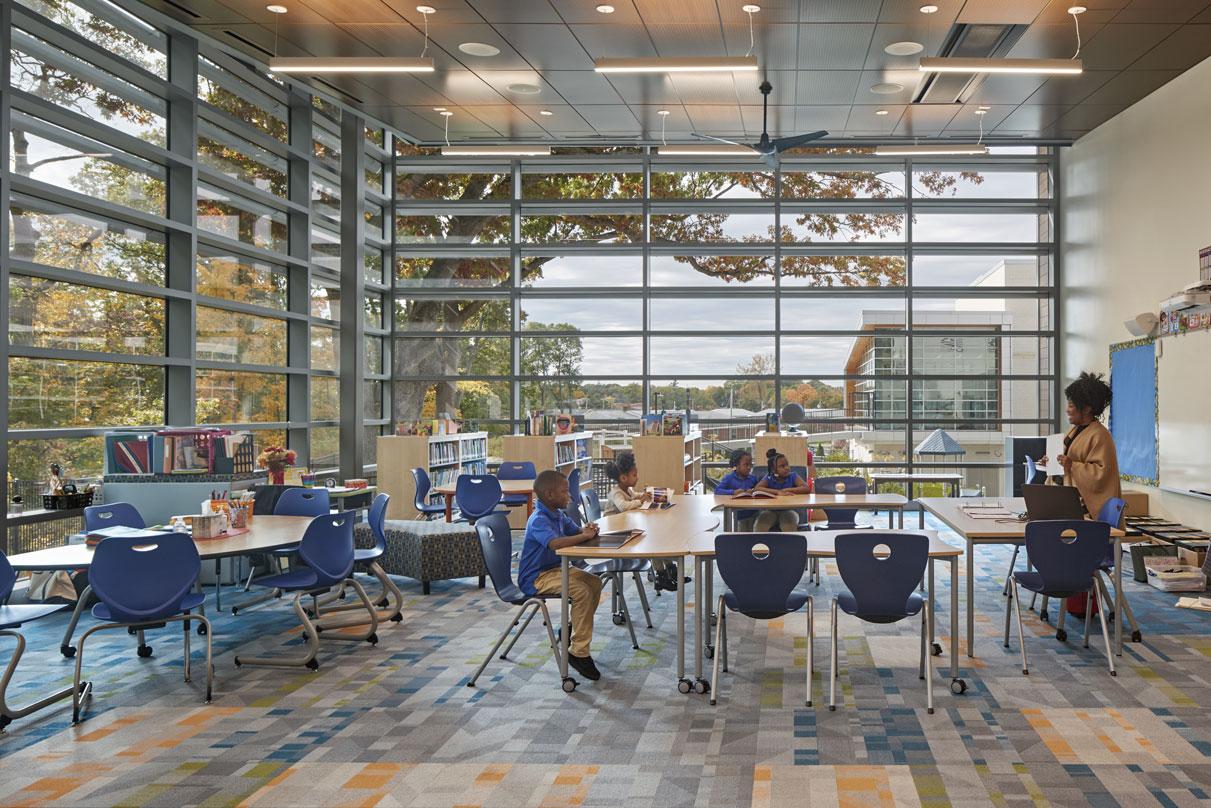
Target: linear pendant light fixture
<point x="312" y="65"/>
<point x="496" y="151"/>
<point x="707" y="150"/>
<point x="1035" y="67"/>
<point x="931" y="149"/>
<point x="705" y="64"/>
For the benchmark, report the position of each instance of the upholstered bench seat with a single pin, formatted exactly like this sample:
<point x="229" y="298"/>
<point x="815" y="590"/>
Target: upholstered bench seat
<point x="428" y="551"/>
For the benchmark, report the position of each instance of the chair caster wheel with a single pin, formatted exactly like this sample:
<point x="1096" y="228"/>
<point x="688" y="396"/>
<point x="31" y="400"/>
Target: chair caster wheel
<point x="235" y="610"/>
<point x="313" y="664"/>
<point x="937" y="649"/>
<point x="702" y="687"/>
<point x="372" y="639"/>
<point x="958" y="687"/>
<point x="382" y="604"/>
<point x="319" y="629"/>
<point x="832" y="708"/>
<point x="237" y="662"/>
<point x="397" y="618"/>
<point x="1136" y="636"/>
<point x="68" y="651"/>
<point x="714" y="620"/>
<point x="1061" y="635"/>
<point x="709" y="652"/>
<point x="569" y="684"/>
<point x="201" y="630"/>
<point x="619" y="620"/>
<point x="684" y="685"/>
<point x="1025" y="672"/>
<point x="144" y="651"/>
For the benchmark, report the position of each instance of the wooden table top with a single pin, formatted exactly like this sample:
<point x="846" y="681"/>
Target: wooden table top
<point x="668" y="533"/>
<point x="927" y="477"/>
<point x="506" y="487"/>
<point x="265" y="533"/>
<point x="341" y="491"/>
<point x="822" y="543"/>
<point x="991" y="531"/>
<point x="878" y="501"/>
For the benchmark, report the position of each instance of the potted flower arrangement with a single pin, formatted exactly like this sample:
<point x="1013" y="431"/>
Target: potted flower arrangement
<point x="276" y="459"/>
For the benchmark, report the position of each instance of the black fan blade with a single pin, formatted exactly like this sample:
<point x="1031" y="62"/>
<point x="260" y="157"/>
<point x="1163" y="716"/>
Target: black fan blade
<point x="784" y="143"/>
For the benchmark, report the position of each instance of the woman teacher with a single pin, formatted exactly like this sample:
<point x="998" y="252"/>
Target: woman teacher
<point x="1089" y="459"/>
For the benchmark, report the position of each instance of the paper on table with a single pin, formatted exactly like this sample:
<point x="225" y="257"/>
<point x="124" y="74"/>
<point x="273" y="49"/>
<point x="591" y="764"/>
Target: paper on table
<point x="1055" y="448"/>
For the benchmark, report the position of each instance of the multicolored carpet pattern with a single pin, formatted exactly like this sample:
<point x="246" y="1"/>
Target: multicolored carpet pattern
<point x="396" y="725"/>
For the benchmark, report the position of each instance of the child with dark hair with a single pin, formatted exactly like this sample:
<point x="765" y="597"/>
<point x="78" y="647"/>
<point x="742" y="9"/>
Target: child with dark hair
<point x="740" y="478"/>
<point x="1090" y="461"/>
<point x="625" y="474"/>
<point x="785" y="483"/>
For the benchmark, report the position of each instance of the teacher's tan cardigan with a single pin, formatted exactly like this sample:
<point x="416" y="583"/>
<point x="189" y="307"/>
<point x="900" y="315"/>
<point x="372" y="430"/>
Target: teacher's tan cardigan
<point x="1094" y="469"/>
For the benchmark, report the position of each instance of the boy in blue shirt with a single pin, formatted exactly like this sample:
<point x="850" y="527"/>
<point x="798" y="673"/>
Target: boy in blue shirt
<point x="740" y="478"/>
<point x="547" y="530"/>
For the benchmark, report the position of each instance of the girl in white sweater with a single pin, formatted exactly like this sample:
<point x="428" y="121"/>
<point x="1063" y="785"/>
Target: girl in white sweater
<point x="623" y="471"/>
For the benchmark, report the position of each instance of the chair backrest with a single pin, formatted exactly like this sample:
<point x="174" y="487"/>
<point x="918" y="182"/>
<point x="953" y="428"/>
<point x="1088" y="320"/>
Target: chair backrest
<point x="327" y="547"/>
<point x="761" y="579"/>
<point x="1032" y="470"/>
<point x="511" y="470"/>
<point x="1064" y="563"/>
<point x="841" y="517"/>
<point x="144" y="579"/>
<point x="420" y="496"/>
<point x="8" y="577"/>
<point x="591" y="503"/>
<point x="573" y="510"/>
<point x="1112" y="512"/>
<point x="496" y="544"/>
<point x="881" y="584"/>
<point x="115" y="514"/>
<point x="377" y="517"/>
<point x="476" y="495"/>
<point x="303" y="502"/>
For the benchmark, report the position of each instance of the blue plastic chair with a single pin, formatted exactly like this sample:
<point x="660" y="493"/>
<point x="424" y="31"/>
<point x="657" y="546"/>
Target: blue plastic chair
<point x="510" y="470"/>
<point x="762" y="573"/>
<point x="881" y="589"/>
<point x="326" y="556"/>
<point x="1066" y="554"/>
<point x="303" y="502"/>
<point x="367" y="558"/>
<point x="11" y="618"/>
<point x="840" y="518"/>
<point x="144" y="583"/>
<point x="496" y="544"/>
<point x="574" y="500"/>
<point x="1112" y="514"/>
<point x="477" y="496"/>
<point x="591" y="504"/>
<point x="614" y="569"/>
<point x="420" y="496"/>
<point x="115" y="514"/>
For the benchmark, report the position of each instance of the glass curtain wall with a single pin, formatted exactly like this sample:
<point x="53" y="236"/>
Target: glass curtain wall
<point x="889" y="298"/>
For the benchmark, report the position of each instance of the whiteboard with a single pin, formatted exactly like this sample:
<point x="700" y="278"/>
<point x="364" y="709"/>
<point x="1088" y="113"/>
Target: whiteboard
<point x="1184" y="403"/>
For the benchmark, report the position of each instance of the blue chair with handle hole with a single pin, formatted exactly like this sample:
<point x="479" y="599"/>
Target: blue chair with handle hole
<point x="292" y="502"/>
<point x="326" y="560"/>
<point x="144" y="582"/>
<point x="575" y="503"/>
<point x="11" y="618"/>
<point x="496" y="544"/>
<point x="391" y="599"/>
<point x="762" y="572"/>
<point x="615" y="569"/>
<point x="881" y="572"/>
<point x="512" y="470"/>
<point x="115" y="514"/>
<point x="421" y="486"/>
<point x="1067" y="555"/>
<point x="477" y="496"/>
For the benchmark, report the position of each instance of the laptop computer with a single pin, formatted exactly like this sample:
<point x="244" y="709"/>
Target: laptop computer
<point x="1052" y="502"/>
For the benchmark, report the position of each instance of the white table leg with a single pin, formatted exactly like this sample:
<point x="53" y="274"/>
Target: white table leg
<point x="565" y="629"/>
<point x="971" y="597"/>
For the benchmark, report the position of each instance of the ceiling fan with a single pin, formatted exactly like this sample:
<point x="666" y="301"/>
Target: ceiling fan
<point x="770" y="148"/>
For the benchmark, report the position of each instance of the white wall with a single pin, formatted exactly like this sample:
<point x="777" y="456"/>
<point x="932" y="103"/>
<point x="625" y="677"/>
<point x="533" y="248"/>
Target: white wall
<point x="1136" y="209"/>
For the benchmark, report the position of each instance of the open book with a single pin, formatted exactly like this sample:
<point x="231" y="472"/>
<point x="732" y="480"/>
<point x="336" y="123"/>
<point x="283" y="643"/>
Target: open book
<point x="615" y="538"/>
<point x="754" y="493"/>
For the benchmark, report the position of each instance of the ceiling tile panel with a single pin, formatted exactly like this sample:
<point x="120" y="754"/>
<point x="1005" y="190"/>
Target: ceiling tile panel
<point x="830" y="117"/>
<point x="1005" y="89"/>
<point x="722" y="120"/>
<point x="515" y="11"/>
<point x="834" y="46"/>
<point x="1066" y="90"/>
<point x="1030" y="117"/>
<point x="448" y="11"/>
<point x="689" y="39"/>
<point x="646" y="89"/>
<point x="614" y="41"/>
<point x="926" y="120"/>
<point x="582" y="86"/>
<point x="781" y="121"/>
<point x="705" y="88"/>
<point x="825" y="86"/>
<point x="1179" y="11"/>
<point x="1117" y="46"/>
<point x="610" y="118"/>
<point x="546" y="47"/>
<point x="580" y="11"/>
<point x="1130" y="86"/>
<point x="1008" y="12"/>
<point x="840" y="11"/>
<point x="1182" y="50"/>
<point x="909" y="11"/>
<point x="775" y="46"/>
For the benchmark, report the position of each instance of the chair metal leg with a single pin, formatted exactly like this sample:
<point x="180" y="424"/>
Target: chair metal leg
<point x="643" y="598"/>
<point x="1103" y="600"/>
<point x="306" y="660"/>
<point x="832" y="655"/>
<point x="518" y="633"/>
<point x="1127" y="613"/>
<point x="7" y="714"/>
<point x="811" y="640"/>
<point x="723" y="619"/>
<point x="391" y="593"/>
<point x="927" y="628"/>
<point x="1021" y="631"/>
<point x="720" y="649"/>
<point x="1043" y="613"/>
<point x="1008" y="607"/>
<point x="1061" y="631"/>
<point x="626" y="612"/>
<point x="1013" y="562"/>
<point x="270" y="595"/>
<point x="1087" y="610"/>
<point x="924" y="628"/>
<point x="503" y="636"/>
<point x="370" y="620"/>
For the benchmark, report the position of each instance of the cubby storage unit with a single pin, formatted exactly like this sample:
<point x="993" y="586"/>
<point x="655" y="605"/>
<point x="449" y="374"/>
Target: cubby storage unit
<point x="670" y="461"/>
<point x="562" y="452"/>
<point x="791" y="444"/>
<point x="443" y="456"/>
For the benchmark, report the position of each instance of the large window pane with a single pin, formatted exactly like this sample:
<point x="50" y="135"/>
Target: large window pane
<point x="241" y="100"/>
<point x="585" y="228"/>
<point x="712" y="355"/>
<point x="579" y="186"/>
<point x="843" y="270"/>
<point x="461" y="356"/>
<point x="721" y="184"/>
<point x="443" y="229"/>
<point x="979" y="270"/>
<point x="325" y="348"/>
<point x="454" y="314"/>
<point x="325" y="398"/>
<point x="229" y="336"/>
<point x="980" y="183"/>
<point x="420" y="185"/>
<point x="713" y="228"/>
<point x="571" y="314"/>
<point x="50" y="393"/>
<point x="977" y="227"/>
<point x="712" y="270"/>
<point x="586" y="356"/>
<point x="840" y="227"/>
<point x="121" y="33"/>
<point x="718" y="315"/>
<point x="48" y="314"/>
<point x="470" y="272"/>
<point x="241" y="219"/>
<point x="237" y="158"/>
<point x="246" y="280"/>
<point x="550" y="272"/>
<point x="234" y="396"/>
<point x="836" y="313"/>
<point x="843" y="183"/>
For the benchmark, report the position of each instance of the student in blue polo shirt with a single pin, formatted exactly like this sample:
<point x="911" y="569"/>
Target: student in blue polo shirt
<point x="785" y="482"/>
<point x="740" y="478"/>
<point x="547" y="530"/>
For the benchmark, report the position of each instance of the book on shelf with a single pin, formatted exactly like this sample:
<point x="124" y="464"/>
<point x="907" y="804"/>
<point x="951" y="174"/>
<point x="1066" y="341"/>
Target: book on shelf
<point x="653" y="424"/>
<point x="754" y="493"/>
<point x="671" y="424"/>
<point x="771" y="423"/>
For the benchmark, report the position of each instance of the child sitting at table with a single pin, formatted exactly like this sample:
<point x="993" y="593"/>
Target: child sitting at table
<point x="623" y="497"/>
<point x="786" y="483"/>
<point x="538" y="571"/>
<point x="740" y="478"/>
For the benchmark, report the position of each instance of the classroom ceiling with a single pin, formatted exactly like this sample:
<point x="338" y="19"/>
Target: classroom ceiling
<point x="822" y="57"/>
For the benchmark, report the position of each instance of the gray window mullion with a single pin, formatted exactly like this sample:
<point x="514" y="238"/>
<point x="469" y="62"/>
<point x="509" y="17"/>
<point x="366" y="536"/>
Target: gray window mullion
<point x="353" y="275"/>
<point x="298" y="332"/>
<point x="182" y="245"/>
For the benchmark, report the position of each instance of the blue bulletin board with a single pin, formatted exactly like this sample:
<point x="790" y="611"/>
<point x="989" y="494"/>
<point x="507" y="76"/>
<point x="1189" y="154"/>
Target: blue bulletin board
<point x="1133" y="409"/>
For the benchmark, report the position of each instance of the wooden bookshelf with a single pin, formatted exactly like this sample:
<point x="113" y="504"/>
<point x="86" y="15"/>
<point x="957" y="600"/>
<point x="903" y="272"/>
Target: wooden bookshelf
<point x="444" y="457"/>
<point x="561" y="452"/>
<point x="669" y="461"/>
<point x="794" y="446"/>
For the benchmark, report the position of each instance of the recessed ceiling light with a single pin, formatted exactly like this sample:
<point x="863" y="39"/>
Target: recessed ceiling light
<point x="426" y="9"/>
<point x="662" y="113"/>
<point x="479" y="49"/>
<point x="904" y="48"/>
<point x="928" y="9"/>
<point x="886" y="88"/>
<point x="276" y="9"/>
<point x="1077" y="9"/>
<point x="605" y="9"/>
<point x="546" y="113"/>
<point x="439" y="109"/>
<point x="524" y="89"/>
<point x="981" y="111"/>
<point x="750" y="8"/>
<point x="880" y="112"/>
<point x="445" y="113"/>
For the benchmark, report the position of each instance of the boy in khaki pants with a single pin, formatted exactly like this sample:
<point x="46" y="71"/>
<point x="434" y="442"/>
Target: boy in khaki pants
<point x="550" y="529"/>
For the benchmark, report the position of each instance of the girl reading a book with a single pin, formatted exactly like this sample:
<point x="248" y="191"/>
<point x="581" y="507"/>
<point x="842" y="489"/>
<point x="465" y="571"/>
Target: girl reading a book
<point x="740" y="478"/>
<point x="623" y="497"/>
<point x="783" y="482"/>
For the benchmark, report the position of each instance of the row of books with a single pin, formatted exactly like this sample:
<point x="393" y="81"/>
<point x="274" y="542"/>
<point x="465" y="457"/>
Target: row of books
<point x="666" y="423"/>
<point x="542" y="423"/>
<point x="475" y="447"/>
<point x="179" y="451"/>
<point x="571" y="450"/>
<point x="442" y="453"/>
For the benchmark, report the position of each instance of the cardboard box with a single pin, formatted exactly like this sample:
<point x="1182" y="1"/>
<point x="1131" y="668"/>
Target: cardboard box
<point x="1137" y="503"/>
<point x="1192" y="558"/>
